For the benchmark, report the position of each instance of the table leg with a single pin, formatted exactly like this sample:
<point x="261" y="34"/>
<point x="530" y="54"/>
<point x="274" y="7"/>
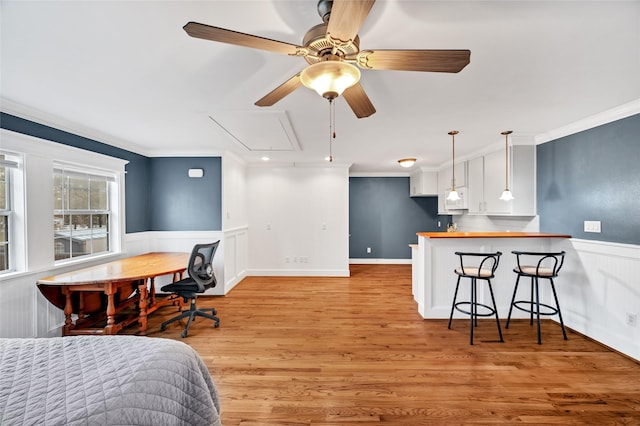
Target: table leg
<point x="152" y="291"/>
<point x="68" y="310"/>
<point x="142" y="305"/>
<point x="110" y="290"/>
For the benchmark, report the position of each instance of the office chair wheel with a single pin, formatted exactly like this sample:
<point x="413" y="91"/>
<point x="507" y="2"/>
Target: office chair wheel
<point x="163" y="327"/>
<point x="216" y="325"/>
<point x="183" y="334"/>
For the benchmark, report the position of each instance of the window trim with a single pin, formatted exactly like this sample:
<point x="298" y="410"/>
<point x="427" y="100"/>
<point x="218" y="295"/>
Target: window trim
<point x="72" y="170"/>
<point x="8" y="212"/>
<point x="33" y="199"/>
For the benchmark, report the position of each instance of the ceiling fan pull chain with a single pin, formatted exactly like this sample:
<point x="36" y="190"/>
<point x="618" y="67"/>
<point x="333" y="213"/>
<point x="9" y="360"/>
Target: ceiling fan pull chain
<point x="333" y="118"/>
<point x="332" y="132"/>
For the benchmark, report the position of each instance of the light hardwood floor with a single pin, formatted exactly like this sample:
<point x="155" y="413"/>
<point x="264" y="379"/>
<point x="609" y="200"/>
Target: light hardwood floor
<point x="334" y="351"/>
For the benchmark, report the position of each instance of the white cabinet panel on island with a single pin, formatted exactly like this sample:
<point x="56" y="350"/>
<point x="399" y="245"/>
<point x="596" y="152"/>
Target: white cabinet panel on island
<point x="436" y="261"/>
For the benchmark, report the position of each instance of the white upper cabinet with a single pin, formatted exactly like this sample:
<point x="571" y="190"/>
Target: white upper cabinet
<point x="476" y="186"/>
<point x="423" y="183"/>
<point x="487" y="182"/>
<point x="444" y="187"/>
<point x="445" y="175"/>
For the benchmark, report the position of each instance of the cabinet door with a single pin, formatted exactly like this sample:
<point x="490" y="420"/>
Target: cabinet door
<point x="415" y="184"/>
<point x="476" y="185"/>
<point x="494" y="184"/>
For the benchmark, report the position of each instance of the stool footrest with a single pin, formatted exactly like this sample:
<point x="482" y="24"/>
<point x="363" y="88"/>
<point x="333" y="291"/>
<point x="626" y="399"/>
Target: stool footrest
<point x="551" y="309"/>
<point x="490" y="311"/>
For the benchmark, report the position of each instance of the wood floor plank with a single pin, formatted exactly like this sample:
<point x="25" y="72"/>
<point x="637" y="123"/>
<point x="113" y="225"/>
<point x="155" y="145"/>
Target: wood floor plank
<point x="340" y="351"/>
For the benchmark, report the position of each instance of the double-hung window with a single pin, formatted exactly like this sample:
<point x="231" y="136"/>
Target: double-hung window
<point x="82" y="214"/>
<point x="5" y="212"/>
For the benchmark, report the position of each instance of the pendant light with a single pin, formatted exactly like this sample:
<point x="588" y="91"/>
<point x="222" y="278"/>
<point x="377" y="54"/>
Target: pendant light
<point x="453" y="195"/>
<point x="506" y="194"/>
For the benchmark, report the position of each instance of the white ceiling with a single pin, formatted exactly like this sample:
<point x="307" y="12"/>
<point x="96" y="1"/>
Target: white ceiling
<point x="126" y="72"/>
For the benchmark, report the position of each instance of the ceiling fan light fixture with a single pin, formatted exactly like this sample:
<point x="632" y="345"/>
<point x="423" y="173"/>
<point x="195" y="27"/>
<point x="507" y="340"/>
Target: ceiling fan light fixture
<point x="330" y="78"/>
<point x="407" y="162"/>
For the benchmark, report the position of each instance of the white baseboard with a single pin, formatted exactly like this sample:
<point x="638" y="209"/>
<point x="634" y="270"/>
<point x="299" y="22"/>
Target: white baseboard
<point x="298" y="273"/>
<point x="371" y="261"/>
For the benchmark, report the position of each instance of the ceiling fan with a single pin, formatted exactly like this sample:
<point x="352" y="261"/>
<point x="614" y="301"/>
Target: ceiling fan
<point x="331" y="49"/>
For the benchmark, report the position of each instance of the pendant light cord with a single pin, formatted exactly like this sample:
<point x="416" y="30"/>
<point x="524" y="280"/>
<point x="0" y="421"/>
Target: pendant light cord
<point x="506" y="161"/>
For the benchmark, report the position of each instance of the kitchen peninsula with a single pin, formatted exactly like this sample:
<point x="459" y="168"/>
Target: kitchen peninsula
<point x="436" y="260"/>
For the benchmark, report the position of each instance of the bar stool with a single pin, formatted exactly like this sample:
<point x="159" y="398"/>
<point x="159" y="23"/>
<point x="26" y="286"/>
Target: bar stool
<point x="484" y="271"/>
<point x="547" y="265"/>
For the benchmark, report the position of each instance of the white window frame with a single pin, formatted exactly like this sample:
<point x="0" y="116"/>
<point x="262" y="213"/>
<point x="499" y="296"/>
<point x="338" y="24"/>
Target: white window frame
<point x="69" y="170"/>
<point x="9" y="164"/>
<point x="33" y="200"/>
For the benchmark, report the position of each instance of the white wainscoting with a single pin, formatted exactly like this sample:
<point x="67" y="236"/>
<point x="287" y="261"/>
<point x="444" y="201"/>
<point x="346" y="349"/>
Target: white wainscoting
<point x="597" y="287"/>
<point x="236" y="247"/>
<point x="24" y="312"/>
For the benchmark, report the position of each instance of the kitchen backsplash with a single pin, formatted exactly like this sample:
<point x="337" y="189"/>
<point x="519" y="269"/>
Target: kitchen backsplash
<point x="471" y="223"/>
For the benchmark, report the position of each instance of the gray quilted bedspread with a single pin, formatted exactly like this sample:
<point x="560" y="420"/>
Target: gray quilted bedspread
<point x="104" y="380"/>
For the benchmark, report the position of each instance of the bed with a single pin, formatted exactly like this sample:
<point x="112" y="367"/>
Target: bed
<point x="105" y="380"/>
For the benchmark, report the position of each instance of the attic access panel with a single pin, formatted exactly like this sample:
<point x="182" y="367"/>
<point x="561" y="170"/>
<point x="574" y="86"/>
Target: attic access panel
<point x="258" y="131"/>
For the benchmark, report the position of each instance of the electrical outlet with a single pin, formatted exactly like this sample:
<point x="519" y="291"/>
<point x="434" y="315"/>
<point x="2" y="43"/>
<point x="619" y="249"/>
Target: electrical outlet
<point x="592" y="226"/>
<point x="368" y="249"/>
<point x="632" y="319"/>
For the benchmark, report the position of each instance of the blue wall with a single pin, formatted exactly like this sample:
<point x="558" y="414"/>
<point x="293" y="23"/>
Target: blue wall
<point x="592" y="175"/>
<point x="143" y="178"/>
<point x="383" y="216"/>
<point x="181" y="203"/>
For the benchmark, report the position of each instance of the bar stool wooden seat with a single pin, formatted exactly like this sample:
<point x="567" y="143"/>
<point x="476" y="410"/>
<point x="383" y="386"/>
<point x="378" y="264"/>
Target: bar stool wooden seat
<point x="484" y="271"/>
<point x="537" y="265"/>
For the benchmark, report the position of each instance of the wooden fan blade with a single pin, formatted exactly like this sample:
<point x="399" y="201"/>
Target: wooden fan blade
<point x="207" y="32"/>
<point x="414" y="60"/>
<point x="346" y="19"/>
<point x="280" y="92"/>
<point x="358" y="101"/>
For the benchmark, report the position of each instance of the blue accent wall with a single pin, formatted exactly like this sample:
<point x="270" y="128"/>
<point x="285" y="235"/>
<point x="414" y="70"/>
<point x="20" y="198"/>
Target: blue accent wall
<point x="592" y="175"/>
<point x="383" y="216"/>
<point x="145" y="179"/>
<point x="181" y="203"/>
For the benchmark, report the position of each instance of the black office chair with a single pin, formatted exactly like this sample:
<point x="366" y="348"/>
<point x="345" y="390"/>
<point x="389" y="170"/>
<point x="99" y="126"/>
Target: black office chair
<point x="485" y="271"/>
<point x="201" y="278"/>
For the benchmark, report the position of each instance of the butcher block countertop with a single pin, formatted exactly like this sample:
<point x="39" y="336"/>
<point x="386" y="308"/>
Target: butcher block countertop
<point x="490" y="235"/>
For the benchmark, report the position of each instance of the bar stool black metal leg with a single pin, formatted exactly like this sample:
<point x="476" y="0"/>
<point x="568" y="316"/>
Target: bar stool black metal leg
<point x="555" y="296"/>
<point x="455" y="295"/>
<point x="495" y="308"/>
<point x="513" y="299"/>
<point x="531" y="304"/>
<point x="538" y="310"/>
<point x="472" y="310"/>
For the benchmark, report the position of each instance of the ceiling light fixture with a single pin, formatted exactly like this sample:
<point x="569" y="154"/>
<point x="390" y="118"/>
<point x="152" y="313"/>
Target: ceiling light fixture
<point x="453" y="195"/>
<point x="265" y="158"/>
<point x="330" y="77"/>
<point x="407" y="162"/>
<point x="506" y="194"/>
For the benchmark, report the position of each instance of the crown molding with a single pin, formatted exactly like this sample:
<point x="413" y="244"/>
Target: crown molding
<point x="32" y="114"/>
<point x="608" y="116"/>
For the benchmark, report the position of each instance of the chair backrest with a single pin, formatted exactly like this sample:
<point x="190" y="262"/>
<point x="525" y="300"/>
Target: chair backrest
<point x="545" y="264"/>
<point x="489" y="262"/>
<point x="200" y="267"/>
